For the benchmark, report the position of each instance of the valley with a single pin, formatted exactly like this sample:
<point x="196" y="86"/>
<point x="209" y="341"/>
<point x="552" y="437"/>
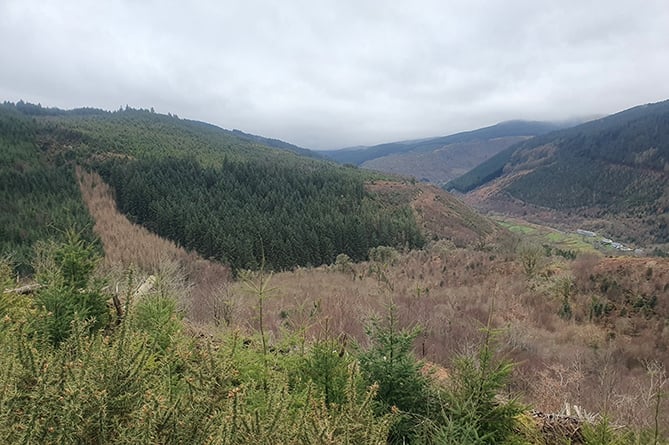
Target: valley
<point x="443" y="164"/>
<point x="606" y="175"/>
<point x="582" y="328"/>
<point x="212" y="286"/>
<point x="341" y="223"/>
<point x="441" y="159"/>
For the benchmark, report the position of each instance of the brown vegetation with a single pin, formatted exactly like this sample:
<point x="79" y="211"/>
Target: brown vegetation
<point x="440" y="214"/>
<point x="130" y="245"/>
<point x="589" y="332"/>
<point x="564" y="356"/>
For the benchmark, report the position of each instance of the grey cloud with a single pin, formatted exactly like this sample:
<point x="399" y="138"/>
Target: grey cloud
<point x="335" y="73"/>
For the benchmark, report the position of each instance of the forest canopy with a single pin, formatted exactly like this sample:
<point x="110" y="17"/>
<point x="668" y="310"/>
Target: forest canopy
<point x="227" y="198"/>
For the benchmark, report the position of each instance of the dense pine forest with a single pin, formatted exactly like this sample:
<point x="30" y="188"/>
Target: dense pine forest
<point x="39" y="199"/>
<point x="228" y="198"/>
<point x="241" y="213"/>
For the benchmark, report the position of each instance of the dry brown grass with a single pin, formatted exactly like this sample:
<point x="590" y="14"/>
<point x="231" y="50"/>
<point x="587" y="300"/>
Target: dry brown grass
<point x="130" y="245"/>
<point x="440" y="214"/>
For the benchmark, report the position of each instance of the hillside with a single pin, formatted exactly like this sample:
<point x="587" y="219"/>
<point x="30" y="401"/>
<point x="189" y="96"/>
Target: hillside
<point x="442" y="164"/>
<point x="276" y="143"/>
<point x="439" y="214"/>
<point x="156" y="343"/>
<point x="39" y="198"/>
<point x="440" y="159"/>
<point x="129" y="246"/>
<point x="571" y="352"/>
<point x="225" y="197"/>
<point x="612" y="171"/>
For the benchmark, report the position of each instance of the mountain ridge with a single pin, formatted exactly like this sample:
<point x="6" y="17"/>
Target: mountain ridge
<point x="612" y="169"/>
<point x="518" y="127"/>
<point x="440" y="159"/>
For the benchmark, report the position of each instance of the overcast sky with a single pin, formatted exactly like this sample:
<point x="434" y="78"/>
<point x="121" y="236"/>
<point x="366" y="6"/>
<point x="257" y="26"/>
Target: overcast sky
<point x="329" y="74"/>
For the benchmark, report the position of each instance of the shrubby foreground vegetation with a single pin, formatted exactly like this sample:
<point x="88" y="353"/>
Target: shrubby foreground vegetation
<point x="76" y="368"/>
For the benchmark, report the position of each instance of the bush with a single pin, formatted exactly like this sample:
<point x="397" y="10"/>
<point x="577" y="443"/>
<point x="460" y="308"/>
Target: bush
<point x="68" y="292"/>
<point x="157" y="316"/>
<point x="344" y="264"/>
<point x="13" y="305"/>
<point x="529" y="255"/>
<point x="383" y="254"/>
<point x="474" y="412"/>
<point x="115" y="388"/>
<point x="327" y="366"/>
<point x="604" y="433"/>
<point x="390" y="364"/>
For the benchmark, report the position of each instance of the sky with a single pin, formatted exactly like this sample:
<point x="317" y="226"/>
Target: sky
<point x="327" y="74"/>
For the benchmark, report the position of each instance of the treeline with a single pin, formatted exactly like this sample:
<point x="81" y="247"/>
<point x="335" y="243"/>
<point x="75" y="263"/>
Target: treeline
<point x="485" y="172"/>
<point x="244" y="213"/>
<point x="146" y="134"/>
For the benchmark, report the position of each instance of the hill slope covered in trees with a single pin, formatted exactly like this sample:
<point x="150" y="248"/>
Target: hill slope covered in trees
<point x="444" y="163"/>
<point x="615" y="166"/>
<point x="91" y="356"/>
<point x="226" y="197"/>
<point x="38" y="197"/>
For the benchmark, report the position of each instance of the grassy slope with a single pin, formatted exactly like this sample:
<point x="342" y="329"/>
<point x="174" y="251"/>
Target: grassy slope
<point x="567" y="241"/>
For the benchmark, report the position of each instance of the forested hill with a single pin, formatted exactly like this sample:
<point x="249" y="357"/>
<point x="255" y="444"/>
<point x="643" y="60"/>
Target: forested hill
<point x="38" y="197"/>
<point x="276" y="143"/>
<point x="226" y="197"/>
<point x="617" y="165"/>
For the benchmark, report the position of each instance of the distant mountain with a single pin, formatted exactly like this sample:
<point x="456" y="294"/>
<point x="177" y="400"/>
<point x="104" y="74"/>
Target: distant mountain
<point x="444" y="163"/>
<point x="614" y="168"/>
<point x="440" y="159"/>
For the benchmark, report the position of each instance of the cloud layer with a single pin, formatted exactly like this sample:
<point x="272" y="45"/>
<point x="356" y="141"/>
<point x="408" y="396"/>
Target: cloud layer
<point x="334" y="73"/>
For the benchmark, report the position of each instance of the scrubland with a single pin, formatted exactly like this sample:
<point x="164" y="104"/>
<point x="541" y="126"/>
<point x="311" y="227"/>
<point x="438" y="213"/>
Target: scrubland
<point x="584" y="332"/>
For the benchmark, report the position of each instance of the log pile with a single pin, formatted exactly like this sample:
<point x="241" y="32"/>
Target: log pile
<point x="564" y="427"/>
